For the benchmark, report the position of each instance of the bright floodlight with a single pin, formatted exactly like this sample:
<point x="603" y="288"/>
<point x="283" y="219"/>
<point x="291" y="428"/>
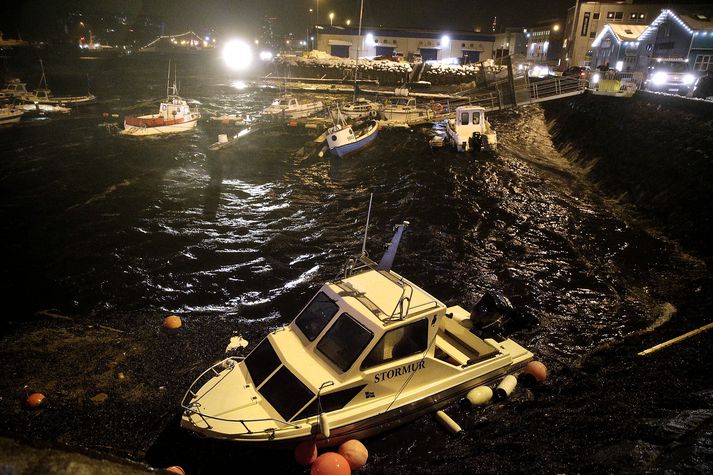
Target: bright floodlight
<point x="265" y="55"/>
<point x="445" y="40"/>
<point x="237" y="55"/>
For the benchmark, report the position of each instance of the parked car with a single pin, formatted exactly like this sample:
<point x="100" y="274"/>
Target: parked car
<point x="670" y="76"/>
<point x="579" y="71"/>
<point x="704" y="86"/>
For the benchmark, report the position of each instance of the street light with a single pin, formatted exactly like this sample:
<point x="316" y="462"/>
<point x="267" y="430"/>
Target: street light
<point x="331" y="18"/>
<point x="349" y="22"/>
<point x="556" y="28"/>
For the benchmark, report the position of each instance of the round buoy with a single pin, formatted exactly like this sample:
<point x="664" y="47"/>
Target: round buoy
<point x="537" y="370"/>
<point x="172" y="322"/>
<point x="35" y="400"/>
<point x="480" y="395"/>
<point x="175" y="469"/>
<point x="330" y="463"/>
<point x="355" y="453"/>
<point x="306" y="452"/>
<point x="506" y="386"/>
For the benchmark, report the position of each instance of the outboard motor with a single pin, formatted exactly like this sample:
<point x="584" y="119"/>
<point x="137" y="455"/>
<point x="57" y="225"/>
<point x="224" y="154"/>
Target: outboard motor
<point x="476" y="143"/>
<point x="495" y="317"/>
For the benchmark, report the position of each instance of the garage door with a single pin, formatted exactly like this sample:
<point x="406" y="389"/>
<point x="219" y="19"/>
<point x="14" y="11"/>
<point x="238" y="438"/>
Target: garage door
<point x="429" y="54"/>
<point x="341" y="51"/>
<point x="385" y="50"/>
<point x="470" y="56"/>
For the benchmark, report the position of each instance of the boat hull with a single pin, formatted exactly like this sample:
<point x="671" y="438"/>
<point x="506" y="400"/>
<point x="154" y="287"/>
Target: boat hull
<point x="140" y="131"/>
<point x="10" y="118"/>
<point x="343" y="151"/>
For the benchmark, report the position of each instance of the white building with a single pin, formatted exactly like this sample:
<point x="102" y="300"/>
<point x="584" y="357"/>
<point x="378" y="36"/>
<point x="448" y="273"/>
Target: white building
<point x="432" y="45"/>
<point x="586" y="20"/>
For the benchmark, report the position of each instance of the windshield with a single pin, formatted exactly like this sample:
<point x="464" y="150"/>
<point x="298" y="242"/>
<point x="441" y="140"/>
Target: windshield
<point x="316" y="315"/>
<point x="344" y="341"/>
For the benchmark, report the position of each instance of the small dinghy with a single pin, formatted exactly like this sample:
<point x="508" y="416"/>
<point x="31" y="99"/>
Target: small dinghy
<point x="370" y="351"/>
<point x="344" y="139"/>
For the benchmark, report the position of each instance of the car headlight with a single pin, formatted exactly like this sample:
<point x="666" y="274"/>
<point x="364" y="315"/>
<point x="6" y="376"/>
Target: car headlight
<point x="659" y="78"/>
<point x="595" y="78"/>
<point x="688" y="79"/>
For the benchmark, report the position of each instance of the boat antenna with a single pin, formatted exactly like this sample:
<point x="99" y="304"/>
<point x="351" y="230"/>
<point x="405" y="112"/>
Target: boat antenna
<point x="356" y="63"/>
<point x="366" y="228"/>
<point x="168" y="78"/>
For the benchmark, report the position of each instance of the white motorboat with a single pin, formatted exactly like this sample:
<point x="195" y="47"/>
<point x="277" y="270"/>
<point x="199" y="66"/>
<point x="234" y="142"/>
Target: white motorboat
<point x="174" y="116"/>
<point x="369" y="352"/>
<point x="470" y="130"/>
<point x="42" y="95"/>
<point x="44" y="108"/>
<point x="10" y="114"/>
<point x="344" y="139"/>
<point x="289" y="107"/>
<point x="359" y="109"/>
<point x="405" y="110"/>
<point x="13" y="89"/>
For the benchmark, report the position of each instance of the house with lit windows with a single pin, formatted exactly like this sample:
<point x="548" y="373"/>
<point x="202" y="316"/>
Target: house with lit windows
<point x="618" y="47"/>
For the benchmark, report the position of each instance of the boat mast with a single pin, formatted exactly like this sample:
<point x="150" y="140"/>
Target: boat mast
<point x="168" y="79"/>
<point x="356" y="64"/>
<point x="43" y="79"/>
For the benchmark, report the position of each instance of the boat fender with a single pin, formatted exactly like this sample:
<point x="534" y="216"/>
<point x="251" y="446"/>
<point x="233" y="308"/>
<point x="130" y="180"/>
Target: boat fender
<point x="448" y="423"/>
<point x="506" y="387"/>
<point x="324" y="425"/>
<point x="480" y="395"/>
<point x="534" y="372"/>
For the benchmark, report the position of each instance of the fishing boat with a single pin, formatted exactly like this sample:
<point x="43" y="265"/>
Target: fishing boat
<point x="344" y="139"/>
<point x="370" y="351"/>
<point x="289" y="107"/>
<point x="174" y="115"/>
<point x="13" y="89"/>
<point x="470" y="130"/>
<point x="405" y="110"/>
<point x="9" y="114"/>
<point x="43" y="95"/>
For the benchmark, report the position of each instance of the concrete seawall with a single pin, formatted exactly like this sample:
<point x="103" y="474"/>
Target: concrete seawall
<point x="652" y="151"/>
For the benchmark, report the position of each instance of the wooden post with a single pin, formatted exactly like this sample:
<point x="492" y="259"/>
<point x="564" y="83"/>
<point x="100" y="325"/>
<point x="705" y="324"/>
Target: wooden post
<point x="511" y="81"/>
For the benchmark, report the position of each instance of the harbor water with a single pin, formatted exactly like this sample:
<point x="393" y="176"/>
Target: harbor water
<point x="109" y="234"/>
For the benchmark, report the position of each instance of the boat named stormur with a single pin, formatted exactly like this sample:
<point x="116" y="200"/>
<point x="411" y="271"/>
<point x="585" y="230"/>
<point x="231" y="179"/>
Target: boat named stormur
<point x="370" y="351"/>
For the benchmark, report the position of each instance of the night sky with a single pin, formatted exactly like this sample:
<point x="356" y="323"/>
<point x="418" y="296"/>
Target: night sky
<point x="242" y="17"/>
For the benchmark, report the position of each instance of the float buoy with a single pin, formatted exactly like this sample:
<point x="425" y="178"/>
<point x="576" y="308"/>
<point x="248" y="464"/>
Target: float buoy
<point x="536" y="371"/>
<point x="448" y="423"/>
<point x="172" y="322"/>
<point x="306" y="452"/>
<point x="175" y="469"/>
<point x="355" y="453"/>
<point x="35" y="400"/>
<point x="506" y="386"/>
<point x="480" y="395"/>
<point x="330" y="463"/>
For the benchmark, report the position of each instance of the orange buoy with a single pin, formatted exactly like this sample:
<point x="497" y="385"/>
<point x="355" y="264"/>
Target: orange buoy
<point x="306" y="452"/>
<point x="355" y="453"/>
<point x="330" y="463"/>
<point x="175" y="469"/>
<point x="35" y="400"/>
<point x="537" y="370"/>
<point x="172" y="322"/>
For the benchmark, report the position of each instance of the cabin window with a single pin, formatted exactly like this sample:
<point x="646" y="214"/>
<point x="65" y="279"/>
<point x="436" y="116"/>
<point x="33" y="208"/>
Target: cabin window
<point x="286" y="393"/>
<point x="261" y="362"/>
<point x="330" y="402"/>
<point x="344" y="341"/>
<point x="399" y="343"/>
<point x="464" y="120"/>
<point x="316" y="315"/>
<point x="476" y="119"/>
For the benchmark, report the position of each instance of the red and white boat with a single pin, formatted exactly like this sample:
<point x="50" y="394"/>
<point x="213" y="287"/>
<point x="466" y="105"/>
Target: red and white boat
<point x="174" y="115"/>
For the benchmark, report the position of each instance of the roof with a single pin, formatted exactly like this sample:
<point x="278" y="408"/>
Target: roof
<point x="627" y="32"/>
<point x="405" y="33"/>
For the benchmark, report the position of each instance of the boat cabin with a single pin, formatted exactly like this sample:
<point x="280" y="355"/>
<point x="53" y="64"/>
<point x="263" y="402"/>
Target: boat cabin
<point x="285" y="102"/>
<point x="401" y="102"/>
<point x="13" y="88"/>
<point x="470" y="119"/>
<point x="175" y="108"/>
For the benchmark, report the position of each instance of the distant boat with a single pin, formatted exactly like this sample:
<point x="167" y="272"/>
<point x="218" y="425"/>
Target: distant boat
<point x="13" y="89"/>
<point x="288" y="106"/>
<point x="405" y="110"/>
<point x="359" y="109"/>
<point x="9" y="114"/>
<point x="344" y="140"/>
<point x="174" y="115"/>
<point x="42" y="95"/>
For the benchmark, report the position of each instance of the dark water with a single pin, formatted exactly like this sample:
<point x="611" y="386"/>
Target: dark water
<point x="107" y="228"/>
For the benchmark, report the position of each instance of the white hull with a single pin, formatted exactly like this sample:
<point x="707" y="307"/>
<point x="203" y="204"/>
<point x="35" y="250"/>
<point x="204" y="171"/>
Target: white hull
<point x="159" y="130"/>
<point x="305" y="111"/>
<point x="45" y="108"/>
<point x="11" y="118"/>
<point x="66" y="100"/>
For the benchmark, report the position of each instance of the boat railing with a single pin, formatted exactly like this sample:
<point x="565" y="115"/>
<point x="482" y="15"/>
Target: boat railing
<point x="193" y="407"/>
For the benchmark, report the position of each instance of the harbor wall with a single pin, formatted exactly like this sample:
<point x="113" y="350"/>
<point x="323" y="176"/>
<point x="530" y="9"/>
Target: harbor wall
<point x="652" y="151"/>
